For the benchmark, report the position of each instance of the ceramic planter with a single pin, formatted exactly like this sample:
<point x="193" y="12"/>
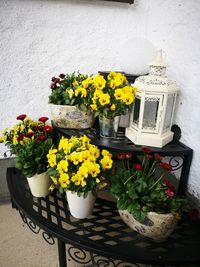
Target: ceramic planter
<point x="39" y="184"/>
<point x="156" y="226"/>
<point x="80" y="207"/>
<point x="71" y="117"/>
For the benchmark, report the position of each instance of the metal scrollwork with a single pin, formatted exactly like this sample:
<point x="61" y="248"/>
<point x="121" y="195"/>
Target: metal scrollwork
<point x="176" y="163"/>
<point x="80" y="256"/>
<point x="36" y="229"/>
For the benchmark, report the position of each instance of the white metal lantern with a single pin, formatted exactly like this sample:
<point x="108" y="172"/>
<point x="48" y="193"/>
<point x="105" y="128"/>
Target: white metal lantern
<point x="152" y="114"/>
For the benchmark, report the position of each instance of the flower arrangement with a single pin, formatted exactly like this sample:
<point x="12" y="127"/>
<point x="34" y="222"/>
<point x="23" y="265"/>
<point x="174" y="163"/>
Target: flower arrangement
<point x="139" y="189"/>
<point x="30" y="141"/>
<point x="68" y="89"/>
<point x="78" y="166"/>
<point x="111" y="96"/>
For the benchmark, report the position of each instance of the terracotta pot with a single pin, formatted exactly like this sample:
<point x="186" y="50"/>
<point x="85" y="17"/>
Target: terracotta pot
<point x="71" y="117"/>
<point x="80" y="207"/>
<point x="39" y="184"/>
<point x="156" y="226"/>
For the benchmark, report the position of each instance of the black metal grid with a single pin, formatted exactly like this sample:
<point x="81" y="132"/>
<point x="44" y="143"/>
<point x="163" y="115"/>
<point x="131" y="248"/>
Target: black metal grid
<point x="104" y="232"/>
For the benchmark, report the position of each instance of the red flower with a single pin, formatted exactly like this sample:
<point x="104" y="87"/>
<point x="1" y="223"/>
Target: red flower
<point x="53" y="86"/>
<point x="47" y="129"/>
<point x="21" y="117"/>
<point x="43" y="119"/>
<point x="121" y="156"/>
<point x="29" y="135"/>
<point x="146" y="150"/>
<point x="128" y="155"/>
<point x="157" y="156"/>
<point x="149" y="156"/>
<point x="55" y="80"/>
<point x="194" y="214"/>
<point x="168" y="184"/>
<point x="62" y="76"/>
<point x="20" y="137"/>
<point x="166" y="166"/>
<point x="42" y="138"/>
<point x="137" y="167"/>
<point x="169" y="192"/>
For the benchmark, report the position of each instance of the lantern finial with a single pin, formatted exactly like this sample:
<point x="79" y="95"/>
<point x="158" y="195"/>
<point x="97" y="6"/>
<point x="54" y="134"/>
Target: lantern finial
<point x="158" y="66"/>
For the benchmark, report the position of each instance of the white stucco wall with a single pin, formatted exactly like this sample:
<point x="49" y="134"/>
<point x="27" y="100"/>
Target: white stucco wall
<point x="39" y="39"/>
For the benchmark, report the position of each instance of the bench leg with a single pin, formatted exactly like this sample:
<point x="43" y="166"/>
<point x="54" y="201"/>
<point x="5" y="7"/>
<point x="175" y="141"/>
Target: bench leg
<point x="62" y="254"/>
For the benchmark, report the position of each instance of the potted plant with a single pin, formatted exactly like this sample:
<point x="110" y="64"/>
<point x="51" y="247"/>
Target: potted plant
<point x="70" y="101"/>
<point x="146" y="200"/>
<point x="111" y="97"/>
<point x="30" y="141"/>
<point x="77" y="167"/>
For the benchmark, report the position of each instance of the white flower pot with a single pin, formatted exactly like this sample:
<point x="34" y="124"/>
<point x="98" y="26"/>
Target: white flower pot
<point x="156" y="226"/>
<point x="80" y="207"/>
<point x="39" y="184"/>
<point x="71" y="117"/>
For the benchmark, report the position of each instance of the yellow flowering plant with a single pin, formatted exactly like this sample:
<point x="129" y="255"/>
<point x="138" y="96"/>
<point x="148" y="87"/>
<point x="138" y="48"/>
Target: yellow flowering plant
<point x="78" y="166"/>
<point x="30" y="141"/>
<point x="69" y="89"/>
<point x="112" y="96"/>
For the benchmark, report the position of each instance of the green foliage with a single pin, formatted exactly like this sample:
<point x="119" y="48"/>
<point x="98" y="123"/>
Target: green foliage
<point x="139" y="190"/>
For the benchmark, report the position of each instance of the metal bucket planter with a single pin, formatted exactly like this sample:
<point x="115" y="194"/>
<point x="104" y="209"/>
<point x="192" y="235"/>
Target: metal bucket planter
<point x="156" y="226"/>
<point x="71" y="117"/>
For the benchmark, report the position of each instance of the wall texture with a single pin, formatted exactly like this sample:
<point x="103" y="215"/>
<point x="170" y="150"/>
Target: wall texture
<point x="39" y="39"/>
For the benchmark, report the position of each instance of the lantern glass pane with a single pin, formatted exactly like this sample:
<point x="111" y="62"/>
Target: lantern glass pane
<point x="169" y="111"/>
<point x="150" y="113"/>
<point x="136" y="110"/>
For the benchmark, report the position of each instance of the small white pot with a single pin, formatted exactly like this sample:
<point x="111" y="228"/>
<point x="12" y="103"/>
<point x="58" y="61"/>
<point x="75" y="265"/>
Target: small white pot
<point x="39" y="184"/>
<point x="80" y="207"/>
<point x="66" y="116"/>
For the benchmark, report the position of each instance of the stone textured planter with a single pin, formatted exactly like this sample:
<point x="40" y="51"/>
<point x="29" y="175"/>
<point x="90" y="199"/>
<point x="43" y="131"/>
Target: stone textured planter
<point x="156" y="226"/>
<point x="71" y="117"/>
<point x="39" y="184"/>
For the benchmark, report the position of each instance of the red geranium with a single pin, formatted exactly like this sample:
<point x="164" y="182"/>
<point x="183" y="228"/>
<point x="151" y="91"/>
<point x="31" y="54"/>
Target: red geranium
<point x="137" y="167"/>
<point x="149" y="156"/>
<point x="157" y="156"/>
<point x="168" y="184"/>
<point x="146" y="150"/>
<point x="21" y="117"/>
<point x="128" y="155"/>
<point x="43" y="119"/>
<point x="20" y="137"/>
<point x="62" y="75"/>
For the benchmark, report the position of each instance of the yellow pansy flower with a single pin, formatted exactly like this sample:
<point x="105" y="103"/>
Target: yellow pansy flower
<point x="64" y="180"/>
<point x="15" y="141"/>
<point x="128" y="99"/>
<point x="106" y="162"/>
<point x="94" y="151"/>
<point x="95" y="170"/>
<point x="76" y="157"/>
<point x="87" y="82"/>
<point x="70" y="93"/>
<point x="119" y="94"/>
<point x="62" y="166"/>
<point x="82" y="91"/>
<point x="113" y="107"/>
<point x="106" y="153"/>
<point x="93" y="106"/>
<point x="54" y="179"/>
<point x="99" y="82"/>
<point x="104" y="99"/>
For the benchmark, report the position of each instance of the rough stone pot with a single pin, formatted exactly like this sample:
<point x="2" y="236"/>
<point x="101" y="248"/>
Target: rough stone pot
<point x="71" y="117"/>
<point x="156" y="226"/>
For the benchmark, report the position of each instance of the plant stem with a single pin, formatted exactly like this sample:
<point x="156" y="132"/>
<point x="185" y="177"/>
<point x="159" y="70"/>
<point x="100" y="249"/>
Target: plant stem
<point x="152" y="169"/>
<point x="156" y="181"/>
<point x="129" y="179"/>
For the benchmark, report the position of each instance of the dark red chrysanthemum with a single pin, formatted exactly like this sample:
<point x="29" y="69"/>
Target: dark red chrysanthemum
<point x="20" y="137"/>
<point x="42" y="138"/>
<point x="169" y="192"/>
<point x="29" y="135"/>
<point x="47" y="129"/>
<point x="21" y="117"/>
<point x="43" y="119"/>
<point x="62" y="75"/>
<point x="53" y="86"/>
<point x="146" y="150"/>
<point x="128" y="155"/>
<point x="121" y="156"/>
<point x="137" y="167"/>
<point x="166" y="166"/>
